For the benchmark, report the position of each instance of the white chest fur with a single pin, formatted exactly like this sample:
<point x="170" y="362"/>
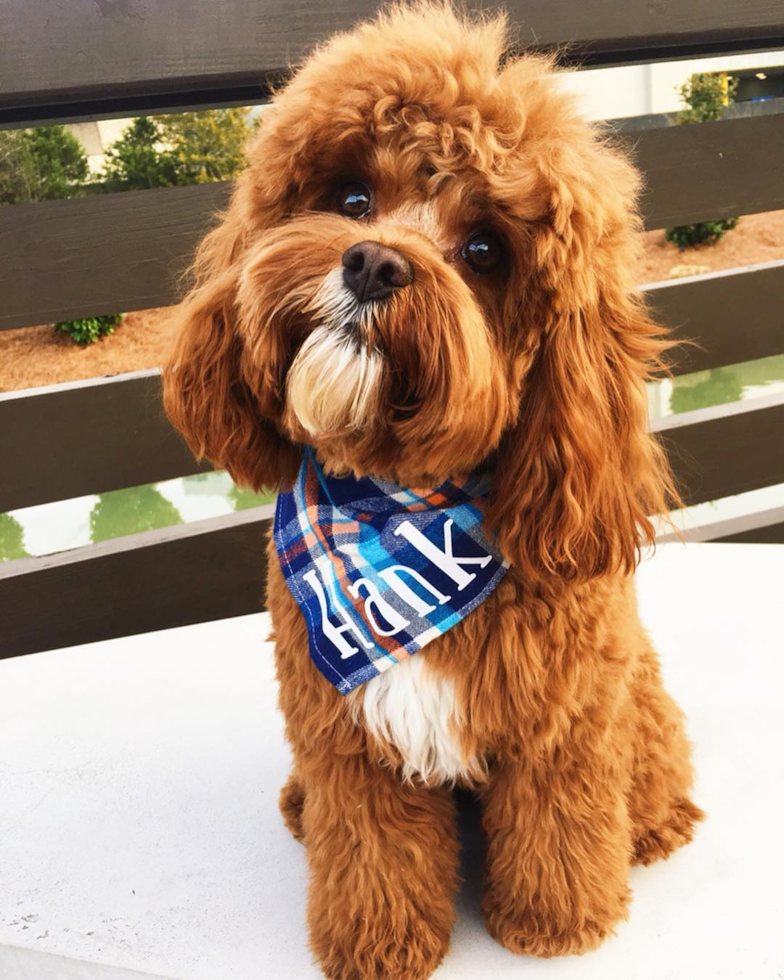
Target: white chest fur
<point x="415" y="709"/>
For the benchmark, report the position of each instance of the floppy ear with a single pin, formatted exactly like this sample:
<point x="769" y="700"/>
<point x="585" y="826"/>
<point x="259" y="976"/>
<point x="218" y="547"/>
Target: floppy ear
<point x="206" y="393"/>
<point x="578" y="476"/>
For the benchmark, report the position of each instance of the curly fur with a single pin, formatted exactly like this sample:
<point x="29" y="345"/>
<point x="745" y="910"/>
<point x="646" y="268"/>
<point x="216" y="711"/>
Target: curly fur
<point x="537" y="371"/>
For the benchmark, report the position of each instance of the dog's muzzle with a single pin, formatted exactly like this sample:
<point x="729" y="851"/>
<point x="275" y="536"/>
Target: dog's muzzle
<point x="373" y="271"/>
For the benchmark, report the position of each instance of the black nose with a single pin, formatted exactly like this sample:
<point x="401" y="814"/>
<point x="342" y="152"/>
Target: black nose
<point x="373" y="271"/>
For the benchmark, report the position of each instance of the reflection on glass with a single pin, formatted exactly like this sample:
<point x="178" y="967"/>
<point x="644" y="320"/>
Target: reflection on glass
<point x="130" y="511"/>
<point x="11" y="539"/>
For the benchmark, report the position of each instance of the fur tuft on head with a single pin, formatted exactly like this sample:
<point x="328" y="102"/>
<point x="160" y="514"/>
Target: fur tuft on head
<point x="516" y="343"/>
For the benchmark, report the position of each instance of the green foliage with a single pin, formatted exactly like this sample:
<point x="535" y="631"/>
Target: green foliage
<point x="137" y="161"/>
<point x="18" y="176"/>
<point x="41" y="164"/>
<point x="702" y="233"/>
<point x="244" y="499"/>
<point x="182" y="148"/>
<point x="131" y="511"/>
<point x="207" y="146"/>
<point x="89" y="330"/>
<point x="718" y="386"/>
<point x="707" y="95"/>
<point x="11" y="539"/>
<point x="60" y="161"/>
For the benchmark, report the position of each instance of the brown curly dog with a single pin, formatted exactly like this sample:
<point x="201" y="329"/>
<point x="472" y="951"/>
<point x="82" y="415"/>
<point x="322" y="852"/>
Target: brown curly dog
<point x="500" y="333"/>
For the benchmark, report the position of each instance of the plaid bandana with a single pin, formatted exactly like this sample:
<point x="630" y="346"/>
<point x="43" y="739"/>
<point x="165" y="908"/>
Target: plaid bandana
<point x="379" y="571"/>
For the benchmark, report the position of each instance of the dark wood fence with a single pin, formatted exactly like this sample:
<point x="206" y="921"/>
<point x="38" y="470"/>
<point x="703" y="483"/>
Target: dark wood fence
<point x="64" y="259"/>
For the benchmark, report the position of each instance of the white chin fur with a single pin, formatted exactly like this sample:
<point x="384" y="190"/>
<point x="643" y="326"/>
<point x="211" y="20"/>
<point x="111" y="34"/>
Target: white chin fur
<point x="333" y="384"/>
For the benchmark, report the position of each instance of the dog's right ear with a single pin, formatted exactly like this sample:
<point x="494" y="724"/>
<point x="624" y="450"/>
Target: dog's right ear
<point x="205" y="393"/>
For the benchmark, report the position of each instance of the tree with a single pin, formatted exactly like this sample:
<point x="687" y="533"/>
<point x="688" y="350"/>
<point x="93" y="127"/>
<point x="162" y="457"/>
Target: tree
<point x="41" y="164"/>
<point x="243" y="499"/>
<point x="707" y="95"/>
<point x="182" y="148"/>
<point x="138" y="161"/>
<point x="18" y="176"/>
<point x="207" y="146"/>
<point x="121" y="512"/>
<point x="11" y="538"/>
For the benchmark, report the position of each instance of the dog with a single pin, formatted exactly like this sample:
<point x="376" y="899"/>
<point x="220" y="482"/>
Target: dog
<point x="423" y="280"/>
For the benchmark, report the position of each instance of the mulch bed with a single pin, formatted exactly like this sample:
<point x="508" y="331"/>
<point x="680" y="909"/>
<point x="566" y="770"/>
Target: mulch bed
<point x="34" y="356"/>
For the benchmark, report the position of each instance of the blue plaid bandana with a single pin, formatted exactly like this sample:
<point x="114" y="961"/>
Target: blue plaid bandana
<point x="379" y="571"/>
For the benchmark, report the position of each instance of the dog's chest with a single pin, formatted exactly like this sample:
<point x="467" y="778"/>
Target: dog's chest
<point x="416" y="710"/>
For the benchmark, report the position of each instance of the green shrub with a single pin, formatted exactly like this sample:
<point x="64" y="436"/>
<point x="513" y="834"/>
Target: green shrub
<point x="707" y="95"/>
<point x="703" y="233"/>
<point x="88" y="330"/>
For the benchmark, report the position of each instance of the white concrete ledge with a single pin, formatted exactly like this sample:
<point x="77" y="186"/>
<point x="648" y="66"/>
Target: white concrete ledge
<point x="139" y="828"/>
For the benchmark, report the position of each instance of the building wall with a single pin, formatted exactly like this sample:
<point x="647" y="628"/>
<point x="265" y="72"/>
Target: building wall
<point x="612" y="93"/>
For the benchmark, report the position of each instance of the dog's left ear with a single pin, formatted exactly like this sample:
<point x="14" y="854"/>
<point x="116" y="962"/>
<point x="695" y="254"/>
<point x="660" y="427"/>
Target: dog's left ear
<point x="209" y="393"/>
<point x="578" y="476"/>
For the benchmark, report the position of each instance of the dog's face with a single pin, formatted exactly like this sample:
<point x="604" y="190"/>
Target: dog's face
<point x="424" y="270"/>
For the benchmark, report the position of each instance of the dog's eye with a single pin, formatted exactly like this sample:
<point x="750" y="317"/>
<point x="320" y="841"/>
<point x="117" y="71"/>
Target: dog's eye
<point x="483" y="252"/>
<point x="353" y="200"/>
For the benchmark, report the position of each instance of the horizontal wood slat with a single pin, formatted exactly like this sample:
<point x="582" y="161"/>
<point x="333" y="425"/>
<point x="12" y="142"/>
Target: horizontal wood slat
<point x="120" y="252"/>
<point x="121" y="52"/>
<point x="733" y="316"/>
<point x="90" y="437"/>
<point x="728" y="449"/>
<point x="762" y="527"/>
<point x="767" y="529"/>
<point x="110" y="253"/>
<point x="711" y="170"/>
<point x="86" y="437"/>
<point x="192" y="573"/>
<point x="214" y="569"/>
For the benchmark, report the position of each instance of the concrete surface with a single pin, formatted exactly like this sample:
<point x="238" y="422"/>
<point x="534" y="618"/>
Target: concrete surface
<point x="139" y="828"/>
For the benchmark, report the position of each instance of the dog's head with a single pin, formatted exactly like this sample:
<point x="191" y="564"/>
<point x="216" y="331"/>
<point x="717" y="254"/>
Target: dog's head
<point x="425" y="269"/>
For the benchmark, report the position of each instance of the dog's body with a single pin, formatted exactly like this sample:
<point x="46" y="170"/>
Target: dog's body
<point x="553" y="710"/>
<point x="425" y="271"/>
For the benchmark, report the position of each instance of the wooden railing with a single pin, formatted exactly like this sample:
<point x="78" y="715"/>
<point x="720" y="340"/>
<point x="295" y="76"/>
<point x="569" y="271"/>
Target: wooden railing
<point x="101" y="254"/>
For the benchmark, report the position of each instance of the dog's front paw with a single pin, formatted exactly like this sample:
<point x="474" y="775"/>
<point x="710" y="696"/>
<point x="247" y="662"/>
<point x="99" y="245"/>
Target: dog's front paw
<point x="380" y="951"/>
<point x="673" y="832"/>
<point x="292" y="802"/>
<point x="523" y="931"/>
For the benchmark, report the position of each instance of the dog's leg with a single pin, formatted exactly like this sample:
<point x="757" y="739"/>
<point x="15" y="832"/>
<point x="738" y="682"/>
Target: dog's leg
<point x="558" y="855"/>
<point x="662" y="815"/>
<point x="383" y="862"/>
